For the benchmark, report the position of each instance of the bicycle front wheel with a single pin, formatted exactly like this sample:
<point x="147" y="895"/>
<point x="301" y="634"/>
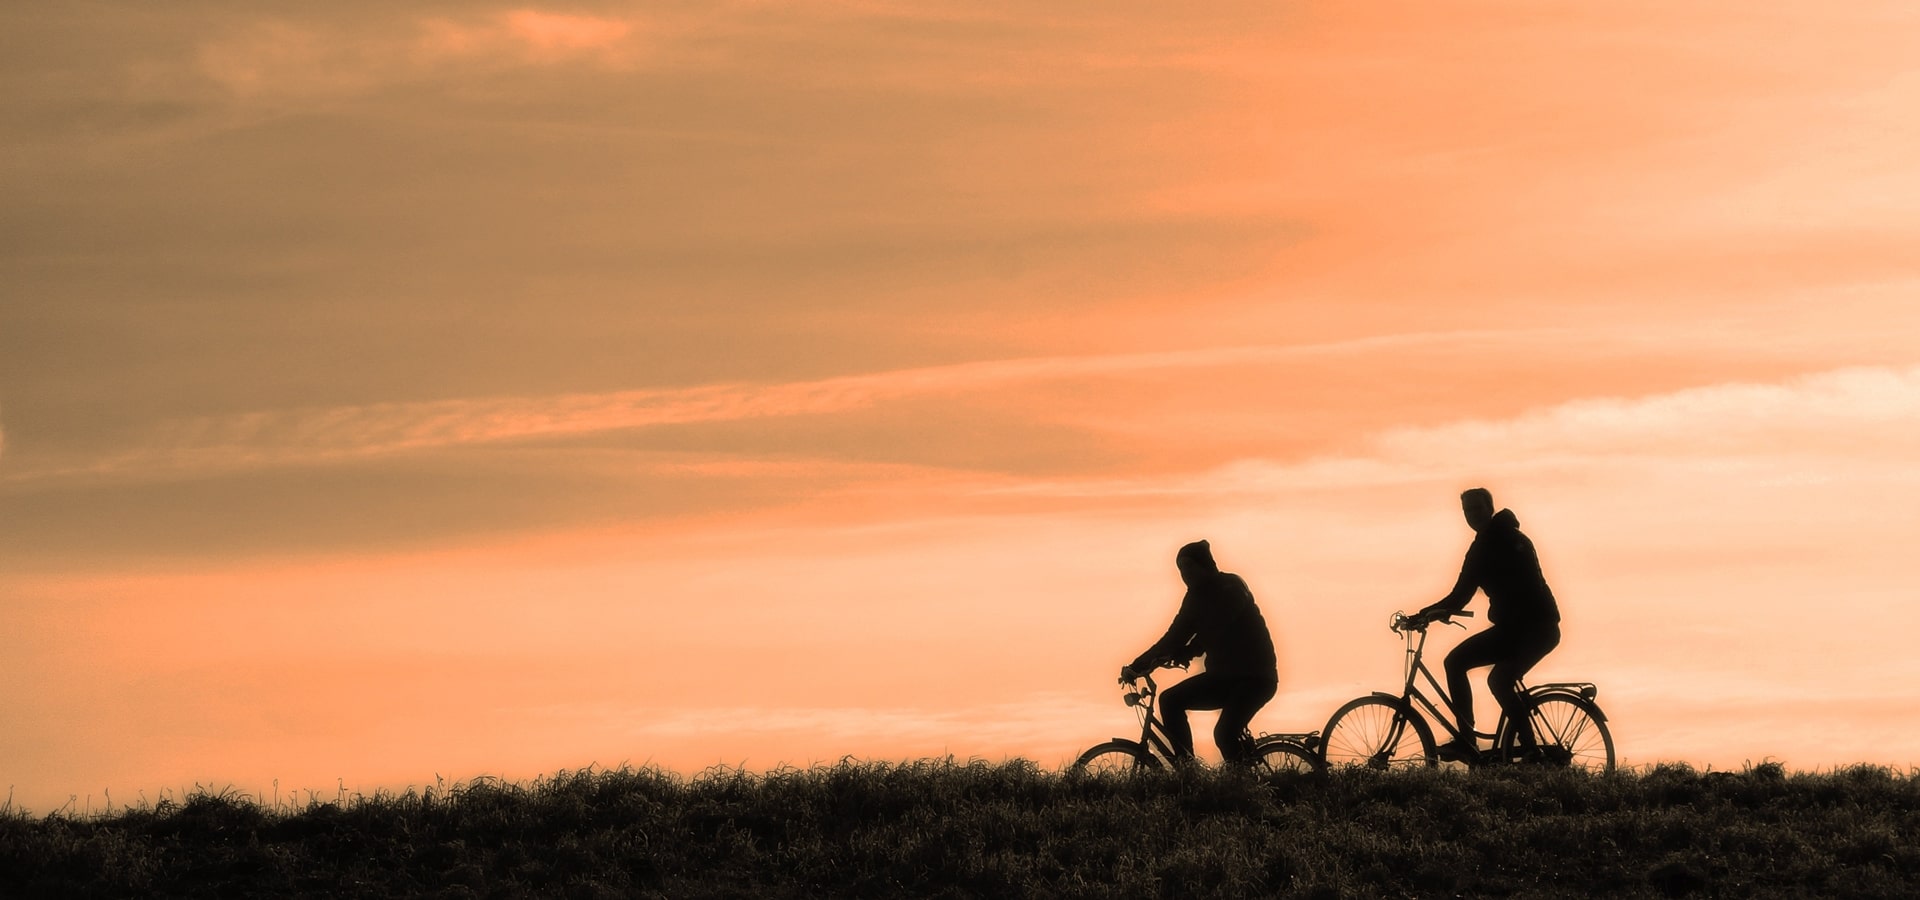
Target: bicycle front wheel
<point x="1568" y="731"/>
<point x="1378" y="733"/>
<point x="1282" y="755"/>
<point x="1116" y="757"/>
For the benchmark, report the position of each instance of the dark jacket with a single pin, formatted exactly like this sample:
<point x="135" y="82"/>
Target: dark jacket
<point x="1502" y="562"/>
<point x="1218" y="617"/>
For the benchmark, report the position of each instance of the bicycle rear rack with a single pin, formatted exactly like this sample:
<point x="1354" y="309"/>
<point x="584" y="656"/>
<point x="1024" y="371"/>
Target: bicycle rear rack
<point x="1307" y="739"/>
<point x="1583" y="689"/>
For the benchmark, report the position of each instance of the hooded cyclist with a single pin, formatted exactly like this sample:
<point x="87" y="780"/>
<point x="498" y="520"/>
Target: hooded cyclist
<point x="1523" y="619"/>
<point x="1218" y="618"/>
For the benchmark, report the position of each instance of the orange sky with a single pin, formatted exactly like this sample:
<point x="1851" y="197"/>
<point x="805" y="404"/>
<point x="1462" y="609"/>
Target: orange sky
<point x="482" y="389"/>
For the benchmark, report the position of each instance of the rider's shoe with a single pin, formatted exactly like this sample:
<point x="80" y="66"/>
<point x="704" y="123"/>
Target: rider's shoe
<point x="1459" y="750"/>
<point x="1549" y="756"/>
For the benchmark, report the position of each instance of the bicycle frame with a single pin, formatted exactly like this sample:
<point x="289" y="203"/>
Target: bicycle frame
<point x="1153" y="734"/>
<point x="1442" y="713"/>
<point x="1152" y="730"/>
<point x="1410" y="692"/>
<point x="1556" y="722"/>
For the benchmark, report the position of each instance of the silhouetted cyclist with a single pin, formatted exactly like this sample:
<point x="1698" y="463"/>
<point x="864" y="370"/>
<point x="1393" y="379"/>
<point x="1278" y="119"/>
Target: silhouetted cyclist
<point x="1523" y="619"/>
<point x="1217" y="618"/>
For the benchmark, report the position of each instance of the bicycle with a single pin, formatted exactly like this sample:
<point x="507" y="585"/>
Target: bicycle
<point x="1386" y="731"/>
<point x="1291" y="752"/>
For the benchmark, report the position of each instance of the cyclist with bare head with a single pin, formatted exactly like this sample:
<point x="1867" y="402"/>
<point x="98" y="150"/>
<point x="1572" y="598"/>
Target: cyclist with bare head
<point x="1217" y="618"/>
<point x="1523" y="619"/>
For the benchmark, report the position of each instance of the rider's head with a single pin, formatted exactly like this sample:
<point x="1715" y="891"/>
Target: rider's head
<point x="1477" y="504"/>
<point x="1194" y="560"/>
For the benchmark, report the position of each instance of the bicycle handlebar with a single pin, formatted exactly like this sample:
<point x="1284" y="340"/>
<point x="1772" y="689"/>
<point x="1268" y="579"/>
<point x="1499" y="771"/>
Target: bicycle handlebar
<point x="1144" y="695"/>
<point x="1419" y="621"/>
<point x="1160" y="662"/>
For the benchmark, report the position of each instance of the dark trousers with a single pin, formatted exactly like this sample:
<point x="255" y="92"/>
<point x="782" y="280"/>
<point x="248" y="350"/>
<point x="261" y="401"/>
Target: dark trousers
<point x="1511" y="652"/>
<point x="1237" y="697"/>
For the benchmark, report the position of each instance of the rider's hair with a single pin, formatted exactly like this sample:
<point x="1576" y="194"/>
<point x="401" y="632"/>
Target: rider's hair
<point x="1480" y="494"/>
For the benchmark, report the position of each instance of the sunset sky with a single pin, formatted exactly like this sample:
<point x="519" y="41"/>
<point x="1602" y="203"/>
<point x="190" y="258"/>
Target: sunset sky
<point x="392" y="392"/>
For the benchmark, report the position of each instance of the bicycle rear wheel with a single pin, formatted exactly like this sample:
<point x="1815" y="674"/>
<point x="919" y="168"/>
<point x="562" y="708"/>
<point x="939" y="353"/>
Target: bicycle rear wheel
<point x="1568" y="731"/>
<point x="1116" y="757"/>
<point x="1282" y="755"/>
<point x="1378" y="733"/>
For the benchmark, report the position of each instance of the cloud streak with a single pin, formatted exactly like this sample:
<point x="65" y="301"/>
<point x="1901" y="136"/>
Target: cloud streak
<point x="1826" y="420"/>
<point x="533" y="36"/>
<point x="1850" y="414"/>
<point x="301" y="60"/>
<point x="1717" y="419"/>
<point x="339" y="434"/>
<point x="1854" y="411"/>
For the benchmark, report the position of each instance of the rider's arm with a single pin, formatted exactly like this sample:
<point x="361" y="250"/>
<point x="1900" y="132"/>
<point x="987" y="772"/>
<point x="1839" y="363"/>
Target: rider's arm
<point x="1174" y="642"/>
<point x="1471" y="575"/>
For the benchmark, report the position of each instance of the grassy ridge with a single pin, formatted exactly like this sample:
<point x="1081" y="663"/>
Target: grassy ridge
<point x="946" y="829"/>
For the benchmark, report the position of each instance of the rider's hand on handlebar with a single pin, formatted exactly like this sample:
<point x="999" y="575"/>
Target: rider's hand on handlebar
<point x="1437" y="614"/>
<point x="1128" y="673"/>
<point x="1415" y="621"/>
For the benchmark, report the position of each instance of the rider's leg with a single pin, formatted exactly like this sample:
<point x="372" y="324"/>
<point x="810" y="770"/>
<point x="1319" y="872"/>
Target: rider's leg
<point x="1244" y="698"/>
<point x="1202" y="691"/>
<point x="1483" y="649"/>
<point x="1525" y="650"/>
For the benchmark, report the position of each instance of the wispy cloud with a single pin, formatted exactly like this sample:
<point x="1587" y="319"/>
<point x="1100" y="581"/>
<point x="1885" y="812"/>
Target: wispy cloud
<point x="312" y="436"/>
<point x="1853" y="410"/>
<point x="1838" y="407"/>
<point x="287" y="59"/>
<point x="299" y="59"/>
<point x="533" y="36"/>
<point x="1841" y="416"/>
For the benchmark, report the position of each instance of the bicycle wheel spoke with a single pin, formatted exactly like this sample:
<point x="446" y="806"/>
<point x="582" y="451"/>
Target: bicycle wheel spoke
<point x="1373" y="733"/>
<point x="1115" y="758"/>
<point x="1567" y="734"/>
<point x="1566" y="731"/>
<point x="1285" y="756"/>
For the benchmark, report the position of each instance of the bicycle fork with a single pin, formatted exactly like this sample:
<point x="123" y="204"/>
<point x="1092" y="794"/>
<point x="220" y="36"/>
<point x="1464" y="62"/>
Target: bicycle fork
<point x="1383" y="757"/>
